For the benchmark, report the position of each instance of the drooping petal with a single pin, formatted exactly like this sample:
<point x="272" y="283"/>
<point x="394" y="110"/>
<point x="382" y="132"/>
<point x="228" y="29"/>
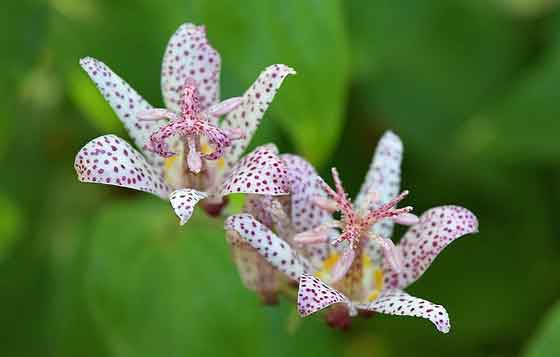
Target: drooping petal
<point x="272" y="248"/>
<point x="438" y="227"/>
<point x="255" y="272"/>
<point x="314" y="295"/>
<point x="260" y="172"/>
<point x="255" y="102"/>
<point x="397" y="302"/>
<point x="126" y="103"/>
<point x="189" y="55"/>
<point x="111" y="160"/>
<point x="382" y="182"/>
<point x="183" y="202"/>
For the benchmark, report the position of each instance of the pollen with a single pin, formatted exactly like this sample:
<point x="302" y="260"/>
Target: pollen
<point x="205" y="149"/>
<point x="378" y="281"/>
<point x="373" y="295"/>
<point x="169" y="162"/>
<point x="328" y="264"/>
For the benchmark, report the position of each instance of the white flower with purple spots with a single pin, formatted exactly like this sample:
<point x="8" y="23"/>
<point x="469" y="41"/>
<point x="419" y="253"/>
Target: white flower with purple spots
<point x="357" y="268"/>
<point x="187" y="153"/>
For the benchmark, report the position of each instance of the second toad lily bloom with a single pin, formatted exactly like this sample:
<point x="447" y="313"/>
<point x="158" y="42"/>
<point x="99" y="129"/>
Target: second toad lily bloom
<point x="368" y="273"/>
<point x="186" y="153"/>
<point x="285" y="215"/>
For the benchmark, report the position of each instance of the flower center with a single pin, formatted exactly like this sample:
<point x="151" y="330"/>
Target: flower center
<point x="190" y="126"/>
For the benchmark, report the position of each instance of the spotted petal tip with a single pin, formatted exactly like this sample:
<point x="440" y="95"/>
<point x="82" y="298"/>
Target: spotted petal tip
<point x="314" y="295"/>
<point x="183" y="202"/>
<point x="111" y="160"/>
<point x="397" y="302"/>
<point x="260" y="172"/>
<point x="421" y="244"/>
<point x="255" y="101"/>
<point x="271" y="247"/>
<point x="190" y="55"/>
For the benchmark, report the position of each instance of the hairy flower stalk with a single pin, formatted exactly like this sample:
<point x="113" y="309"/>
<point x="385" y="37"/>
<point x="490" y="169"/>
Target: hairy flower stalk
<point x="187" y="153"/>
<point x="351" y="263"/>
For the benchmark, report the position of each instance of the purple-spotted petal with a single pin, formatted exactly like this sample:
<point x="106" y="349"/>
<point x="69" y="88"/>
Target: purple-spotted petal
<point x="183" y="202"/>
<point x="382" y="180"/>
<point x="304" y="188"/>
<point x="126" y="103"/>
<point x="397" y="302"/>
<point x="314" y="295"/>
<point x="189" y="55"/>
<point x="438" y="227"/>
<point x="272" y="248"/>
<point x="255" y="272"/>
<point x="260" y="172"/>
<point x="255" y="102"/>
<point x="110" y="160"/>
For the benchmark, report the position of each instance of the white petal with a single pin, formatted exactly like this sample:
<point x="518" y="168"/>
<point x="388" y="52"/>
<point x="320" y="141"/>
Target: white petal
<point x="383" y="179"/>
<point x="271" y="247"/>
<point x="421" y="244"/>
<point x="111" y="160"/>
<point x="126" y="103"/>
<point x="255" y="272"/>
<point x="247" y="116"/>
<point x="260" y="172"/>
<point x="397" y="302"/>
<point x="183" y="202"/>
<point x="314" y="295"/>
<point x="189" y="55"/>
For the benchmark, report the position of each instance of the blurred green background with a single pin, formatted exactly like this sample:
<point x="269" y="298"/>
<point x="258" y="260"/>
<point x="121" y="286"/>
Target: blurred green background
<point x="471" y="86"/>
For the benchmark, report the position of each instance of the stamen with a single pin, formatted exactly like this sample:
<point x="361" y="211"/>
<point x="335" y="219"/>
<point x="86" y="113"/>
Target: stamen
<point x="390" y="253"/>
<point x="326" y="204"/>
<point x="407" y="219"/>
<point x="156" y="114"/>
<point x="194" y="161"/>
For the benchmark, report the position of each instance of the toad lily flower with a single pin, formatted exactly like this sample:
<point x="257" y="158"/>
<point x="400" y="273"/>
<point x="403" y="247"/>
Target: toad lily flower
<point x="371" y="278"/>
<point x="187" y="153"/>
<point x="285" y="215"/>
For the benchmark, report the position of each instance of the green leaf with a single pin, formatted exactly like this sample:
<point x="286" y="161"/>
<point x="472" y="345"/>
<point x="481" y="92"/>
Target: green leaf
<point x="10" y="224"/>
<point x="307" y="35"/>
<point x="424" y="67"/>
<point x="156" y="288"/>
<point x="545" y="343"/>
<point x="523" y="126"/>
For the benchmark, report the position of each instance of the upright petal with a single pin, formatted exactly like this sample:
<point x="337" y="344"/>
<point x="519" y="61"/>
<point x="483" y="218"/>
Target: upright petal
<point x="382" y="180"/>
<point x="255" y="102"/>
<point x="183" y="202"/>
<point x="189" y="55"/>
<point x="397" y="302"/>
<point x="314" y="295"/>
<point x="110" y="160"/>
<point x="272" y="248"/>
<point x="260" y="172"/>
<point x="126" y="103"/>
<point x="438" y="227"/>
<point x="255" y="272"/>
